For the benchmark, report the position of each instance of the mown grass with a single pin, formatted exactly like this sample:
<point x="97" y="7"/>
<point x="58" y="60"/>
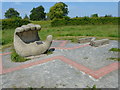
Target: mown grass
<point x="86" y="30"/>
<point x="67" y="32"/>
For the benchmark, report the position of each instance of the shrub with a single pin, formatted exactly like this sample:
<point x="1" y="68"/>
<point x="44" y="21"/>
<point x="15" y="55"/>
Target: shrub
<point x="13" y="23"/>
<point x="85" y="21"/>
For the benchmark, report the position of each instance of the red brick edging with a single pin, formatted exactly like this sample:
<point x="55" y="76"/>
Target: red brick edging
<point x="95" y="74"/>
<point x="61" y="46"/>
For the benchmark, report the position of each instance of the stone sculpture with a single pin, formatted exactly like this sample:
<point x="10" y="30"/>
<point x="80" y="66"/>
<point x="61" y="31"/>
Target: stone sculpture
<point x="27" y="41"/>
<point x="101" y="42"/>
<point x="93" y="41"/>
<point x="86" y="40"/>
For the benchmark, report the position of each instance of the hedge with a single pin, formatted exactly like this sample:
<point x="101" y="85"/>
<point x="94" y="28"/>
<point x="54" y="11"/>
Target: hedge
<point x="85" y="21"/>
<point x="13" y="23"/>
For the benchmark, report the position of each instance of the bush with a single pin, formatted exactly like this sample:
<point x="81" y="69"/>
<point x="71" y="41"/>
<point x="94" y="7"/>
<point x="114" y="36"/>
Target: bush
<point x="85" y="21"/>
<point x="13" y="23"/>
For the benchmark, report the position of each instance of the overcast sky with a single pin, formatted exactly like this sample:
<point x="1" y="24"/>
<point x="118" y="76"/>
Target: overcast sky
<point x="75" y="8"/>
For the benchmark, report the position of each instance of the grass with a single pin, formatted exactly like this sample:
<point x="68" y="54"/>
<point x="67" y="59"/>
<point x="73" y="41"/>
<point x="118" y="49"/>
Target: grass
<point x="72" y="33"/>
<point x="92" y="88"/>
<point x="16" y="58"/>
<point x="86" y="30"/>
<point x="5" y="46"/>
<point x="48" y="52"/>
<point x="115" y="59"/>
<point x="7" y="36"/>
<point x="115" y="49"/>
<point x="44" y="24"/>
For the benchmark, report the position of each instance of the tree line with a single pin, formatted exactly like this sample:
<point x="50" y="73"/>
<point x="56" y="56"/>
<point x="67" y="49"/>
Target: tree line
<point x="59" y="10"/>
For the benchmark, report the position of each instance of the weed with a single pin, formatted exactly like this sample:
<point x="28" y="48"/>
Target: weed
<point x="17" y="58"/>
<point x="115" y="49"/>
<point x="85" y="57"/>
<point x="91" y="88"/>
<point x="116" y="59"/>
<point x="50" y="51"/>
<point x="42" y="87"/>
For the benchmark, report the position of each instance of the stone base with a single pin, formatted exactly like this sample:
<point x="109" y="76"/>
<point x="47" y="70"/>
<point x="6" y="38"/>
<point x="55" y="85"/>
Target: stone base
<point x="99" y="42"/>
<point x="37" y="56"/>
<point x="86" y="40"/>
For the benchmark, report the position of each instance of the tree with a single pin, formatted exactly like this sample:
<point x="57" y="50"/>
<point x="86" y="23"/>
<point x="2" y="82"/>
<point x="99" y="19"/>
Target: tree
<point x="94" y="15"/>
<point x="11" y="13"/>
<point x="77" y="17"/>
<point x="108" y="15"/>
<point x="37" y="13"/>
<point x="59" y="10"/>
<point x="26" y="17"/>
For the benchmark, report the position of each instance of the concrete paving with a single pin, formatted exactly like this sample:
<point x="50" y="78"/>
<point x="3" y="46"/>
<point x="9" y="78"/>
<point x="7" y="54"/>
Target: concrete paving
<point x="56" y="74"/>
<point x="59" y="73"/>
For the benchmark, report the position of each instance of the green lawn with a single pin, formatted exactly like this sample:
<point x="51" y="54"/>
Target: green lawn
<point x="86" y="30"/>
<point x="67" y="32"/>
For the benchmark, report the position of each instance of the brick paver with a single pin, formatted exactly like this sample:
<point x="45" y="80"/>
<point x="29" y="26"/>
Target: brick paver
<point x="1" y="67"/>
<point x="95" y="74"/>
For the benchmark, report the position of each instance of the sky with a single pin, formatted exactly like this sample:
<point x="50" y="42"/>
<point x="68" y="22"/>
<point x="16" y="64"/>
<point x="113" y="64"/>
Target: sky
<point x="79" y="9"/>
<point x="59" y="0"/>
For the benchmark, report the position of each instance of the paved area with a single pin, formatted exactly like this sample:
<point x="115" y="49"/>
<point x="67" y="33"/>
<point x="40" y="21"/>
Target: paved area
<point x="71" y="65"/>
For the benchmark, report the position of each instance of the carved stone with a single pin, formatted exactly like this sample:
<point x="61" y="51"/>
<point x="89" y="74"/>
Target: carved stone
<point x="27" y="41"/>
<point x="86" y="40"/>
<point x="99" y="42"/>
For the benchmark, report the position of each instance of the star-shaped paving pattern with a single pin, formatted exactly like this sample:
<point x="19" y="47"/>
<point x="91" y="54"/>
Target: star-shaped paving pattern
<point x="95" y="74"/>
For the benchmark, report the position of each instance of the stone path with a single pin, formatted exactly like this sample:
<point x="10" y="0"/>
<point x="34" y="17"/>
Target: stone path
<point x="70" y="66"/>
